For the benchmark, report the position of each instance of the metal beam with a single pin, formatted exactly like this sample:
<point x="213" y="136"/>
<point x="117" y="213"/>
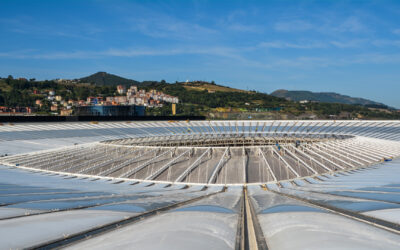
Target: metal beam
<point x="143" y="165"/>
<point x="268" y="166"/>
<point x="312" y="159"/>
<point x="300" y="160"/>
<point x="323" y="157"/>
<point x="192" y="167"/>
<point x="166" y="166"/>
<point x="284" y="161"/>
<point x="218" y="167"/>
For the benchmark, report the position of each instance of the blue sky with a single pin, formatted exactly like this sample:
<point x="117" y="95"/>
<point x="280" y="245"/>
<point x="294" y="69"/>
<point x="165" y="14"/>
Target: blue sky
<point x="350" y="47"/>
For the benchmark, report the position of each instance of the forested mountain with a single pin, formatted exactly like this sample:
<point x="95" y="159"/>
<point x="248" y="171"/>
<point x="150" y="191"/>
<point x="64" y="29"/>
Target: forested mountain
<point x="330" y="97"/>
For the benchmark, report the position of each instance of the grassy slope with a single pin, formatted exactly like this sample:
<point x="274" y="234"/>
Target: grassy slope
<point x="4" y="86"/>
<point x="211" y="87"/>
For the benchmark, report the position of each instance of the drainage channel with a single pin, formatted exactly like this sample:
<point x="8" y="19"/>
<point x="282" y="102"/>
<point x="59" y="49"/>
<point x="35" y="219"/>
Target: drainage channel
<point x="107" y="196"/>
<point x="386" y="225"/>
<point x="344" y="196"/>
<point x="132" y="197"/>
<point x="74" y="238"/>
<point x="249" y="233"/>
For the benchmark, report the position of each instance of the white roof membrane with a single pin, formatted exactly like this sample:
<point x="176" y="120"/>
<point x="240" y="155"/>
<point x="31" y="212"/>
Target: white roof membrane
<point x="54" y="193"/>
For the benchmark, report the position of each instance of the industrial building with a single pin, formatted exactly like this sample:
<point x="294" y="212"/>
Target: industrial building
<point x="110" y="110"/>
<point x="201" y="185"/>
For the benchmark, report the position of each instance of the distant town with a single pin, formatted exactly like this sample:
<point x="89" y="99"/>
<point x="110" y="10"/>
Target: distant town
<point x="131" y="96"/>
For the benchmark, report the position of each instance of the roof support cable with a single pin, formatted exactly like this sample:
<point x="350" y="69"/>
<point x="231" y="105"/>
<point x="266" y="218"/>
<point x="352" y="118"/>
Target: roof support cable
<point x="343" y="155"/>
<point x="300" y="160"/>
<point x="126" y="163"/>
<point x="145" y="164"/>
<point x="285" y="162"/>
<point x="267" y="164"/>
<point x="312" y="159"/>
<point x="167" y="166"/>
<point x="193" y="166"/>
<point x="323" y="157"/>
<point x="218" y="167"/>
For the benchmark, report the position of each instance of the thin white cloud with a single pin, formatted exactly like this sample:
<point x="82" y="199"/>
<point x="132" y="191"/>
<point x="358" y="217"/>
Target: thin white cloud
<point x="386" y="43"/>
<point x="168" y="27"/>
<point x="288" y="45"/>
<point x="318" y="44"/>
<point x="322" y="24"/>
<point x="158" y="23"/>
<point x="29" y="26"/>
<point x="293" y="25"/>
<point x="239" y="27"/>
<point x="350" y="24"/>
<point x="129" y="52"/>
<point x="234" y="21"/>
<point x="355" y="43"/>
<point x="375" y="58"/>
<point x="358" y="59"/>
<point x="396" y="31"/>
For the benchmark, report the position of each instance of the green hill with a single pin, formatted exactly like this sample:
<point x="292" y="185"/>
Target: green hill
<point x="106" y="79"/>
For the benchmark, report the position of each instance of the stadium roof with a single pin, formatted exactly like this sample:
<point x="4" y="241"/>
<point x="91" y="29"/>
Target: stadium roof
<point x="201" y="184"/>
